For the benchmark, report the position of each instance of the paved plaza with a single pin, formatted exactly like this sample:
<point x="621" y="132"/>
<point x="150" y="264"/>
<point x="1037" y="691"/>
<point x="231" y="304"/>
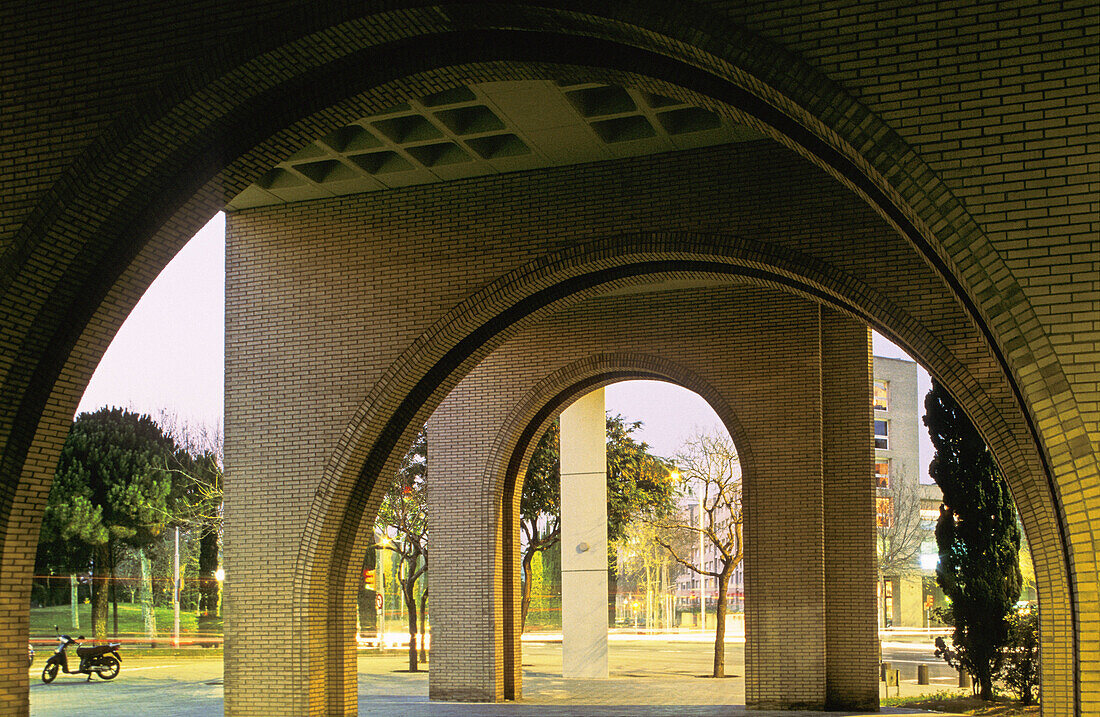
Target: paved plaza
<point x="648" y="677"/>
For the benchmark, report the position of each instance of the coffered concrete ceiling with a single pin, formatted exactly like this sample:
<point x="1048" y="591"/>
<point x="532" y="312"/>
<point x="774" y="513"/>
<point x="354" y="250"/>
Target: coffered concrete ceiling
<point x="489" y="128"/>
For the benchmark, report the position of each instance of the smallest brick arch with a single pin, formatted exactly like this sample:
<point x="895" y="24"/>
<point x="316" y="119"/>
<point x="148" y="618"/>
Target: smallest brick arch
<point x="822" y="358"/>
<point x="515" y="444"/>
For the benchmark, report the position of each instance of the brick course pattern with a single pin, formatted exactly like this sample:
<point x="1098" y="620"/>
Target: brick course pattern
<point x="754" y="354"/>
<point x="968" y="128"/>
<point x="328" y="303"/>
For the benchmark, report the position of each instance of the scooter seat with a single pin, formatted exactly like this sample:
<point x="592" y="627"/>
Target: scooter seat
<point x="94" y="650"/>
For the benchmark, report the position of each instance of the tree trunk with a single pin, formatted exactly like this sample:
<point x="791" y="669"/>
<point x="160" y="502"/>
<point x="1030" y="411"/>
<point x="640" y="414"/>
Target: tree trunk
<point x="148" y="614"/>
<point x="423" y="625"/>
<point x="985" y="682"/>
<point x="408" y="589"/>
<point x="100" y="587"/>
<point x="74" y="602"/>
<point x="612" y="594"/>
<point x="884" y="615"/>
<point x="662" y="589"/>
<point x="720" y="628"/>
<point x="648" y="595"/>
<point x="525" y="589"/>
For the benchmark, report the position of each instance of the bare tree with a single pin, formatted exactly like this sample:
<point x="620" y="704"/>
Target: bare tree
<point x="198" y="503"/>
<point x="644" y="563"/>
<point x="898" y="531"/>
<point x="404" y="516"/>
<point x="710" y="471"/>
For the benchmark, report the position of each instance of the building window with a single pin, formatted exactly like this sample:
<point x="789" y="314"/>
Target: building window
<point x="882" y="434"/>
<point x="884" y="508"/>
<point x="882" y="474"/>
<point x="887" y="600"/>
<point x="929" y="558"/>
<point x="882" y="395"/>
<point x="930" y="515"/>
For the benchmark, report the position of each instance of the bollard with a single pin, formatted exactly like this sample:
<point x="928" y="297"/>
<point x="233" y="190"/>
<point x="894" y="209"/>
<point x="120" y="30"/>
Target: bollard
<point x="893" y="679"/>
<point x="922" y="674"/>
<point x="884" y="668"/>
<point x="965" y="680"/>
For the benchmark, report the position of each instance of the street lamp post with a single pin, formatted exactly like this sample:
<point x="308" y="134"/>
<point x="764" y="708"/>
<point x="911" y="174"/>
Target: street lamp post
<point x="380" y="590"/>
<point x="176" y="594"/>
<point x="702" y="577"/>
<point x="219" y="575"/>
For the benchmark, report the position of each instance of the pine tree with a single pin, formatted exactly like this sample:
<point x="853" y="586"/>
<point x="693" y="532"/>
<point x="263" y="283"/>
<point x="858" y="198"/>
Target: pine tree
<point x="111" y="488"/>
<point x="978" y="539"/>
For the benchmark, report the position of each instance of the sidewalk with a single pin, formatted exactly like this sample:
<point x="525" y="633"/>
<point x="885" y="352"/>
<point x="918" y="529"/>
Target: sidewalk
<point x="649" y="678"/>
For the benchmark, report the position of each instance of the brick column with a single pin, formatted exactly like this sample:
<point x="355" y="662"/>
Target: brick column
<point x="584" y="537"/>
<point x="464" y="545"/>
<point x="851" y="630"/>
<point x="784" y="533"/>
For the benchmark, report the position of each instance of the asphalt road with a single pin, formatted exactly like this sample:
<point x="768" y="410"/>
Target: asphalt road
<point x="650" y="677"/>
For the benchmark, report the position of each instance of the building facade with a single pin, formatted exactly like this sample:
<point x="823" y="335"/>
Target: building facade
<point x="906" y="511"/>
<point x="905" y="540"/>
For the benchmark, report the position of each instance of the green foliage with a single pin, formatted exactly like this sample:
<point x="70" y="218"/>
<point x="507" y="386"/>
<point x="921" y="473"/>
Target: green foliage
<point x="42" y="620"/>
<point x="112" y="484"/>
<point x="978" y="539"/>
<point x="1021" y="666"/>
<point x="196" y="501"/>
<point x="196" y="497"/>
<point x="404" y="515"/>
<point x="542" y="483"/>
<point x="404" y="507"/>
<point x="538" y="585"/>
<point x="637" y="482"/>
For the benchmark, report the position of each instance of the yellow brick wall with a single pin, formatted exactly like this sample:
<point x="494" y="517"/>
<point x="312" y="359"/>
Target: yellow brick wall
<point x="755" y="354"/>
<point x="967" y="125"/>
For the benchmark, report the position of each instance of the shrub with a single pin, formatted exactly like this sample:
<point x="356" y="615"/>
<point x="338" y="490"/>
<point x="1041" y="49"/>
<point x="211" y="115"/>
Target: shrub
<point x="1021" y="666"/>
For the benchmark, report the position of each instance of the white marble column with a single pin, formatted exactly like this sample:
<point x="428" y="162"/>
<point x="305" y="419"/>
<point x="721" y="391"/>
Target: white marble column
<point x="584" y="538"/>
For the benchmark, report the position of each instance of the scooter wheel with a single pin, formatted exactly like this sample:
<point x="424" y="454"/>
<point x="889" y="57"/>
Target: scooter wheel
<point x="49" y="672"/>
<point x="108" y="667"/>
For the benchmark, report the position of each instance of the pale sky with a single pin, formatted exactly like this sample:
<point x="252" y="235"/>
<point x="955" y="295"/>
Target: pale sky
<point x="170" y="352"/>
<point x="169" y="356"/>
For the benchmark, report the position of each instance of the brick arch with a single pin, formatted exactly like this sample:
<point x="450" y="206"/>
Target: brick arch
<point x="514" y="443"/>
<point x="139" y="190"/>
<point x="389" y="416"/>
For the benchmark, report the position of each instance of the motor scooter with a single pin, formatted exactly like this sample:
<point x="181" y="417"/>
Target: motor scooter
<point x="101" y="660"/>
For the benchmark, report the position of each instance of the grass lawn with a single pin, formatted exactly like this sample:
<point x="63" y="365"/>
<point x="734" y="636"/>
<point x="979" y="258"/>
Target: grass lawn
<point x="1001" y="706"/>
<point x="129" y="621"/>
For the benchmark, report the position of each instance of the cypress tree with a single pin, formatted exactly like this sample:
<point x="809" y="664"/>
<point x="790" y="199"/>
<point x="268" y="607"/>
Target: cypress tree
<point x="978" y="540"/>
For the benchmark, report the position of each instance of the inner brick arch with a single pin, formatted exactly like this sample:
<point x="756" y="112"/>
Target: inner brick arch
<point x="558" y="280"/>
<point x="159" y="189"/>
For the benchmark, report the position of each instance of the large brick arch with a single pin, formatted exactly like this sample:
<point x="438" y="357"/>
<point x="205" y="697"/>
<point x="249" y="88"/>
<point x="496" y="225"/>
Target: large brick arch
<point x="389" y="417"/>
<point x="112" y="216"/>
